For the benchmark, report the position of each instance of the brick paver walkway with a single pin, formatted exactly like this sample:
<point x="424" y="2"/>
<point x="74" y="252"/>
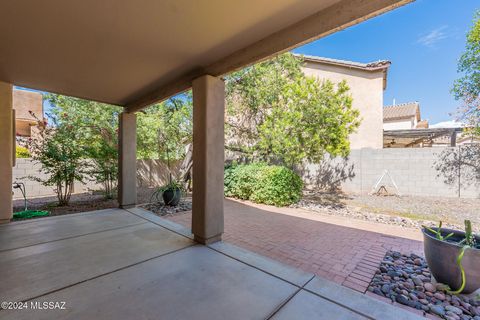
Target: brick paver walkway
<point x="343" y="250"/>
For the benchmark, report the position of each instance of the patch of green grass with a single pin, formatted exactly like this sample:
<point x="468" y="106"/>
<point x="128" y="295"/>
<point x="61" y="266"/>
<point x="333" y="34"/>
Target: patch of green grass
<point x="29" y="214"/>
<point x="402" y="214"/>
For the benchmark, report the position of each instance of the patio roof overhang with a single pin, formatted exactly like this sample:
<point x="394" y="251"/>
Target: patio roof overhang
<point x="136" y="53"/>
<point x="412" y="137"/>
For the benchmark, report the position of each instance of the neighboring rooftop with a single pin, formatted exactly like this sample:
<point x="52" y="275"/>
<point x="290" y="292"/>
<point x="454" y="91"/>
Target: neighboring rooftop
<point x="380" y="65"/>
<point x="369" y="66"/>
<point x="402" y="111"/>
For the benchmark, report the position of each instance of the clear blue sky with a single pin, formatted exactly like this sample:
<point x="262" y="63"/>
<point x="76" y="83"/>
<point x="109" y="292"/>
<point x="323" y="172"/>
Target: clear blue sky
<point x="423" y="40"/>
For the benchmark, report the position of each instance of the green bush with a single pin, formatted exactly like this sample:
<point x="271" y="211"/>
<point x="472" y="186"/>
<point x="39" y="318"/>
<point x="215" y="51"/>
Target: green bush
<point x="261" y="183"/>
<point x="240" y="180"/>
<point x="277" y="186"/>
<point x="22" y="152"/>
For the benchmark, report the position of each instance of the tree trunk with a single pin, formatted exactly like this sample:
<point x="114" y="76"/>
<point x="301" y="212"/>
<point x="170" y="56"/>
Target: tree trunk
<point x="186" y="167"/>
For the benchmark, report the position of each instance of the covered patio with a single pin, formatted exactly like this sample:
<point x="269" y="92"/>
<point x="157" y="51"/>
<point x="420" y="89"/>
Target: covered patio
<point x="131" y="264"/>
<point x="124" y="263"/>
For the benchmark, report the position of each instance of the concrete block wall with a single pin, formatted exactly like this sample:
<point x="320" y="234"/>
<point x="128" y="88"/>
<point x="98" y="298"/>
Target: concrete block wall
<point x="412" y="170"/>
<point x="25" y="168"/>
<point x="150" y="173"/>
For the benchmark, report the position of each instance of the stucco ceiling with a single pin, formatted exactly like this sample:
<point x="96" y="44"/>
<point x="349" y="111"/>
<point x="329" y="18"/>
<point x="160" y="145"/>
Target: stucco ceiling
<point x="117" y="51"/>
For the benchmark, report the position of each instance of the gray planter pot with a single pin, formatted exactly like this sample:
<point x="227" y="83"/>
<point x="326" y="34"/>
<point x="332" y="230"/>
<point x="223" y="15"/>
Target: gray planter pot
<point x="442" y="260"/>
<point x="171" y="197"/>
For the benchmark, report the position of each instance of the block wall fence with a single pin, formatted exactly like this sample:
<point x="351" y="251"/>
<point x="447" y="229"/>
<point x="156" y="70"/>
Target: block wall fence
<point x="412" y="170"/>
<point x="149" y="173"/>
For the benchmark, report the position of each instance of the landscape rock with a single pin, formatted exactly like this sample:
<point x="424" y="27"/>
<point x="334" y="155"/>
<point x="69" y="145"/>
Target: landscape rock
<point x="414" y="288"/>
<point x="159" y="208"/>
<point x="430" y="287"/>
<point x="438" y="310"/>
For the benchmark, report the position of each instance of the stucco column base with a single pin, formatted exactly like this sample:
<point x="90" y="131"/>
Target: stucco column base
<point x="207" y="241"/>
<point x="127" y="160"/>
<point x="7" y="145"/>
<point x="208" y="158"/>
<point x="127" y="206"/>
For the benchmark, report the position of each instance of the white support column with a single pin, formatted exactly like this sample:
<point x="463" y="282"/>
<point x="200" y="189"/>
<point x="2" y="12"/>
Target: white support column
<point x="208" y="158"/>
<point x="127" y="160"/>
<point x="7" y="144"/>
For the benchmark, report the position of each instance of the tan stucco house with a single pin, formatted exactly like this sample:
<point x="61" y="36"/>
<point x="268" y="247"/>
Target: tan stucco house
<point x="403" y="116"/>
<point x="28" y="106"/>
<point x="367" y="81"/>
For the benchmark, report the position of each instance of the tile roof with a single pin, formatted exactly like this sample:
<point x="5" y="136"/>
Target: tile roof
<point x="370" y="66"/>
<point x="403" y="110"/>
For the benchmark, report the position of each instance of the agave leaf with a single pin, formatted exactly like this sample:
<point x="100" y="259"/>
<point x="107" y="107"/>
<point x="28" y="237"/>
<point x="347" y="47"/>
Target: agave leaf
<point x="448" y="236"/>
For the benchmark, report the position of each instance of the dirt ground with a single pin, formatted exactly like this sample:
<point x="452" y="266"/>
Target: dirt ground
<point x="78" y="203"/>
<point x="407" y="211"/>
<point x="450" y="210"/>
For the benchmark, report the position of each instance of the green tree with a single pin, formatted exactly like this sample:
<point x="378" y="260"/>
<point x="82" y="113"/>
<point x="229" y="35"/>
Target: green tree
<point x="165" y="126"/>
<point x="276" y="113"/>
<point x="467" y="88"/>
<point x="96" y="132"/>
<point x="61" y="156"/>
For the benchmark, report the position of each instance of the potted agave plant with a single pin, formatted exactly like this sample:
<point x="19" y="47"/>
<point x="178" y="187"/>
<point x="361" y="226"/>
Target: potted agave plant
<point x="171" y="193"/>
<point x="453" y="257"/>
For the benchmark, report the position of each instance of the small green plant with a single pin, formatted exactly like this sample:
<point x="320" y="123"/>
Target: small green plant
<point x="462" y="271"/>
<point x="22" y="152"/>
<point x="438" y="232"/>
<point x="469" y="236"/>
<point x="172" y="185"/>
<point x="468" y="243"/>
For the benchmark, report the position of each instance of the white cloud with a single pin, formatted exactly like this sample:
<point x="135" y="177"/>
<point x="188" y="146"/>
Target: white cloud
<point x="431" y="38"/>
<point x="448" y="124"/>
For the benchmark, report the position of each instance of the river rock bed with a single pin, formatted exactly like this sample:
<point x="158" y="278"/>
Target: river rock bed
<point x="159" y="208"/>
<point x="406" y="279"/>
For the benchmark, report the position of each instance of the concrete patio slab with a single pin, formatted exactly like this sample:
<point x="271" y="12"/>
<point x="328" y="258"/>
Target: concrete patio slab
<point x="335" y="248"/>
<point x="307" y="306"/>
<point x="284" y="272"/>
<point x="146" y="271"/>
<point x="172" y="226"/>
<point x="21" y="234"/>
<point x="39" y="269"/>
<point x="194" y="283"/>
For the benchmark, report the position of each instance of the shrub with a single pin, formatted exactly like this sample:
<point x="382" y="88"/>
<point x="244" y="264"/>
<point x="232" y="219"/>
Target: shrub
<point x="277" y="186"/>
<point x="22" y="152"/>
<point x="260" y="183"/>
<point x="240" y="180"/>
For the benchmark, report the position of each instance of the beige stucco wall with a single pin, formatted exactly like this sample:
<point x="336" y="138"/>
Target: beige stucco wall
<point x="399" y="124"/>
<point x="366" y="88"/>
<point x="25" y="102"/>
